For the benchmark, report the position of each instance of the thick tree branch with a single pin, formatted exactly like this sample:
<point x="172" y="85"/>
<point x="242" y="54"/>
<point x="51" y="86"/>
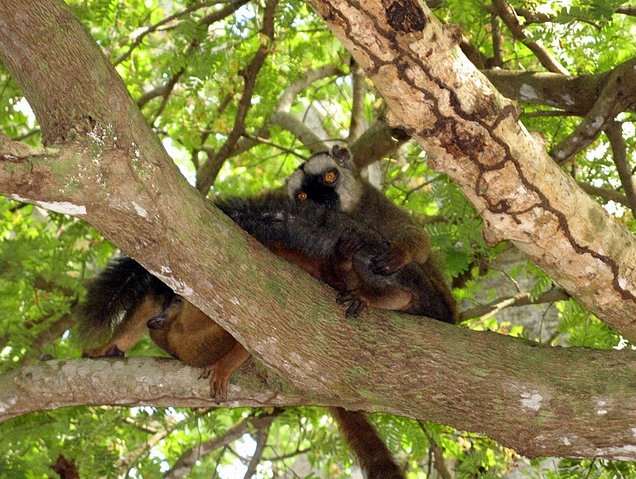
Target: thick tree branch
<point x="118" y="178"/>
<point x="472" y="133"/>
<point x="528" y="406"/>
<point x="377" y="141"/>
<point x="571" y="94"/>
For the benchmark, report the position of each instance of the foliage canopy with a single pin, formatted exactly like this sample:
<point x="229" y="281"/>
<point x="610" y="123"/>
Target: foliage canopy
<point x="188" y="65"/>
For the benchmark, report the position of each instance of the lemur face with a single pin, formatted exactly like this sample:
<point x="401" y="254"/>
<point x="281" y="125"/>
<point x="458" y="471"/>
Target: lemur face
<point x="325" y="181"/>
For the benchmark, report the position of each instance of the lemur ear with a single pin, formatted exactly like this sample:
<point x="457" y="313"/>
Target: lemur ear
<point x="342" y="156"/>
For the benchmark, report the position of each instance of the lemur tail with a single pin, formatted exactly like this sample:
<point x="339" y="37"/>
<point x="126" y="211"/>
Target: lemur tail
<point x="117" y="290"/>
<point x="375" y="459"/>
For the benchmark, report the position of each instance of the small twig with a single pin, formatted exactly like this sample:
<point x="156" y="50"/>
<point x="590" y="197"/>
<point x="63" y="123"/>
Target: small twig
<point x="617" y="94"/>
<point x="267" y="142"/>
<point x="26" y="135"/>
<point x="520" y="299"/>
<point x="543" y="113"/>
<point x="437" y="454"/>
<point x="261" y="441"/>
<point x="210" y="169"/>
<point x="614" y="134"/>
<point x="510" y="18"/>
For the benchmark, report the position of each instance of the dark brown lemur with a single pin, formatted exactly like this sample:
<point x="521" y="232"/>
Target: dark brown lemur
<point x="327" y="244"/>
<point x="331" y="180"/>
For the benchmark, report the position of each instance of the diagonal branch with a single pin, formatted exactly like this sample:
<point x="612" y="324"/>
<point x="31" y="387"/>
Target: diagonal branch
<point x="614" y="134"/>
<point x="604" y="193"/>
<point x="210" y="169"/>
<point x="618" y="93"/>
<point x="183" y="466"/>
<point x="141" y="33"/>
<point x="520" y="299"/>
<point x="501" y="168"/>
<point x="510" y="18"/>
<point x="165" y="90"/>
<point x="262" y="434"/>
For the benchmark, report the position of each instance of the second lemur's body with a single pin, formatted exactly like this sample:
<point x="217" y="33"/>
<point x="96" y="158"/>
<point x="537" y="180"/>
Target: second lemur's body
<point x="127" y="300"/>
<point x="331" y="180"/>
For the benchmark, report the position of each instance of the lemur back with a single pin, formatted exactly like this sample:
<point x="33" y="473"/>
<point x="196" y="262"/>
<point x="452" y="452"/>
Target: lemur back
<point x="132" y="301"/>
<point x="331" y="180"/>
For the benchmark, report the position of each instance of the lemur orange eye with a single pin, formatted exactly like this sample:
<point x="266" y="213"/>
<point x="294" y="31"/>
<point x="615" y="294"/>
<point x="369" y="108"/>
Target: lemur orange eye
<point x="329" y="177"/>
<point x="302" y="196"/>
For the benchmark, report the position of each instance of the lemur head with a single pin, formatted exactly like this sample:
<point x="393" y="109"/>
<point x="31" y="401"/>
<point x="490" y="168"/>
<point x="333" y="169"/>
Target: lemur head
<point x="329" y="179"/>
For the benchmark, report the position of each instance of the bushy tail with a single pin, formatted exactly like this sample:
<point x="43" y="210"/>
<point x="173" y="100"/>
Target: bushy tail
<point x="374" y="457"/>
<point x="118" y="289"/>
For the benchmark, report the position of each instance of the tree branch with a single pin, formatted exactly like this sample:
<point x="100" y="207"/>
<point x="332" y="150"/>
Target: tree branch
<point x="497" y="41"/>
<point x="520" y="299"/>
<point x="189" y="458"/>
<point x="118" y="177"/>
<point x="165" y="89"/>
<point x="509" y="17"/>
<point x="604" y="193"/>
<point x="614" y="134"/>
<point x="617" y="94"/>
<point x="359" y="88"/>
<point x="501" y="168"/>
<point x="528" y="407"/>
<point x="141" y="33"/>
<point x="262" y="433"/>
<point x="210" y="169"/>
<point x="571" y="94"/>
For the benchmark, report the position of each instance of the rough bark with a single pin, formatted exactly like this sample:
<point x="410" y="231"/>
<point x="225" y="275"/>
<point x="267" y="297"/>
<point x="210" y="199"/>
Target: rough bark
<point x="114" y="174"/>
<point x="536" y="399"/>
<point x="473" y="134"/>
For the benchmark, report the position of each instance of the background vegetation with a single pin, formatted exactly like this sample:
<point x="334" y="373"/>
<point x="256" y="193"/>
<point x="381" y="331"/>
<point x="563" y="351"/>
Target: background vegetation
<point x="240" y="119"/>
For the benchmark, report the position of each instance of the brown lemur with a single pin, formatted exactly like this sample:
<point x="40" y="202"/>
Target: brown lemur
<point x="333" y="246"/>
<point x="127" y="300"/>
<point x="331" y="179"/>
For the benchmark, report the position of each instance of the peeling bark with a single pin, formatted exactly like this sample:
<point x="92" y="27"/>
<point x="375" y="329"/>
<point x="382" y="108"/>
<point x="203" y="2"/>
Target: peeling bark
<point x="473" y="134"/>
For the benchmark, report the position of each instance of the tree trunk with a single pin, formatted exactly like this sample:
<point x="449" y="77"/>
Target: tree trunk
<point x="473" y="134"/>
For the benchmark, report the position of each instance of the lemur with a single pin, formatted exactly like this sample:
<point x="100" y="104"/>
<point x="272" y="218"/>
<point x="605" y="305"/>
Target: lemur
<point x="331" y="180"/>
<point x="328" y="244"/>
